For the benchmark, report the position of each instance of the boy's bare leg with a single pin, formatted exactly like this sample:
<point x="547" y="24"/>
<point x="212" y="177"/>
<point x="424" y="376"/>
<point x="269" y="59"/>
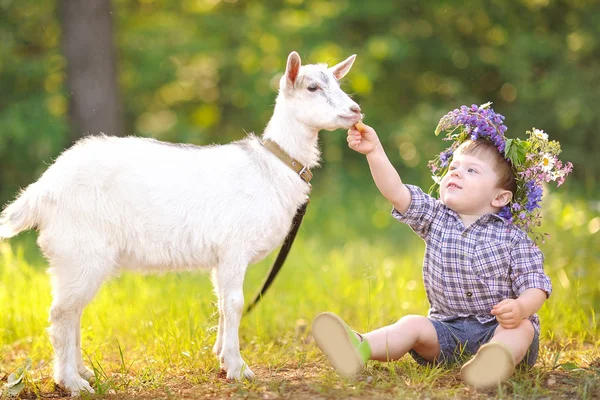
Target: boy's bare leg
<point x="517" y="339"/>
<point x="410" y="332"/>
<point x="495" y="361"/>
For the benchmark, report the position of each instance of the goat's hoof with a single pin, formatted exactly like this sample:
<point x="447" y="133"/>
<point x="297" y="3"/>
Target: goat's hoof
<point x="237" y="374"/>
<point x="76" y="386"/>
<point x="87" y="374"/>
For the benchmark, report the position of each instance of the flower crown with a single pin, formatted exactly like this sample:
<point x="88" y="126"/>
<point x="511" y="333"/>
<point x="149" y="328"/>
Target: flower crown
<point x="534" y="161"/>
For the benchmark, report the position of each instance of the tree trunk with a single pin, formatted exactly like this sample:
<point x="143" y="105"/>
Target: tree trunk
<point x="87" y="41"/>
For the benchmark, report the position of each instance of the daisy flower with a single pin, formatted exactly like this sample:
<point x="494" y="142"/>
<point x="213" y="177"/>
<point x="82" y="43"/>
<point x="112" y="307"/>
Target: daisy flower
<point x="540" y="134"/>
<point x="547" y="162"/>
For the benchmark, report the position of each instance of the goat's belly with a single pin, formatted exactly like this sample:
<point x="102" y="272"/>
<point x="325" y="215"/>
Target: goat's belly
<point x="260" y="256"/>
<point x="165" y="261"/>
<point x="268" y="245"/>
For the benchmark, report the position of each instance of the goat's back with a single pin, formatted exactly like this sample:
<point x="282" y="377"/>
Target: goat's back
<point x="158" y="204"/>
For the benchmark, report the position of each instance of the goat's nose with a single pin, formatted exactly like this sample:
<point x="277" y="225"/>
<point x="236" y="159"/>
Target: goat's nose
<point x="355" y="108"/>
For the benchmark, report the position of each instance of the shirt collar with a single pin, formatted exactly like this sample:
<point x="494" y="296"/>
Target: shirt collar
<point x="483" y="218"/>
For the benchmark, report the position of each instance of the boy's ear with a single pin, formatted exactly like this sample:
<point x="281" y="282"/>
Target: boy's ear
<point x="502" y="199"/>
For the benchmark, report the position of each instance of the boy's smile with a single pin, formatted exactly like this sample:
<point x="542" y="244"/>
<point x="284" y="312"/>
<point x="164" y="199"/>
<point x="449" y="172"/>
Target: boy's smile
<point x="453" y="185"/>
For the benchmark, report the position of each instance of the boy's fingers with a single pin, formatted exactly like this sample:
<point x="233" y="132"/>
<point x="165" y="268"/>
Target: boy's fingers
<point x="353" y="132"/>
<point x="503" y="302"/>
<point x="353" y="139"/>
<point x="502" y="310"/>
<point x="501" y="307"/>
<point x="504" y="317"/>
<point x="506" y="323"/>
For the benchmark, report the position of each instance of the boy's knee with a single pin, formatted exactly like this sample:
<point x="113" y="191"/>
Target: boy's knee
<point x="527" y="327"/>
<point x="416" y="324"/>
<point x="524" y="328"/>
<point x="412" y="320"/>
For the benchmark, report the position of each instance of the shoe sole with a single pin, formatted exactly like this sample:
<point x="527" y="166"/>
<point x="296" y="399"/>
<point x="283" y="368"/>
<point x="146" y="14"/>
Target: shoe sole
<point x="332" y="338"/>
<point x="492" y="364"/>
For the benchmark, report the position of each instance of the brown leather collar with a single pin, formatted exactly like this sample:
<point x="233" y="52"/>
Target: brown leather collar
<point x="294" y="164"/>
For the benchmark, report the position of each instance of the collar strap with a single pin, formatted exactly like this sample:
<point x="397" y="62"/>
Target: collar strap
<point x="294" y="164"/>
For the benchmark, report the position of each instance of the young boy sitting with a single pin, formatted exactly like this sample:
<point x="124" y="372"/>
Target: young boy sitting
<point x="483" y="275"/>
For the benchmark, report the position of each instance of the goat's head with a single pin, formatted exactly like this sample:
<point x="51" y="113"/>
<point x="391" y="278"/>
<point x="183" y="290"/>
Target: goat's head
<point x="314" y="95"/>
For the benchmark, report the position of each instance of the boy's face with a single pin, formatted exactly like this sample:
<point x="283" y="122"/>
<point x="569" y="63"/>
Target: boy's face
<point x="470" y="187"/>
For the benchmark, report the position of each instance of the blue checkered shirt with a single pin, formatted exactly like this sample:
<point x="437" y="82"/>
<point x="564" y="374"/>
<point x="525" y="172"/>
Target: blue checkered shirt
<point x="468" y="271"/>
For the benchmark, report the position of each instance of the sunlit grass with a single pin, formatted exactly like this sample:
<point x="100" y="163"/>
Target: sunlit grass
<point x="154" y="334"/>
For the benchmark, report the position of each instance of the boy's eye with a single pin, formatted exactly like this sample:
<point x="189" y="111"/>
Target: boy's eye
<point x="472" y="170"/>
<point x="313" y="87"/>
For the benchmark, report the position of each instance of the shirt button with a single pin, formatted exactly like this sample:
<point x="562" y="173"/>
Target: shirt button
<point x="464" y="234"/>
<point x="469" y="294"/>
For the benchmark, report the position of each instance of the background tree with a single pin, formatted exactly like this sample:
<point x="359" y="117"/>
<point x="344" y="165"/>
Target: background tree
<point x="87" y="40"/>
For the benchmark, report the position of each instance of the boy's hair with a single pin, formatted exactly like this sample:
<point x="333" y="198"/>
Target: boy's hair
<point x="502" y="167"/>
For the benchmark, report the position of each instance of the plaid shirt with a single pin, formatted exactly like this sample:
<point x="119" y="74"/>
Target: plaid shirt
<point x="468" y="271"/>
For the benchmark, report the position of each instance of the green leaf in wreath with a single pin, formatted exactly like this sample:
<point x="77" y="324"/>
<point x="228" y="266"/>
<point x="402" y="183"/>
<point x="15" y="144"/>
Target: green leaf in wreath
<point x="516" y="150"/>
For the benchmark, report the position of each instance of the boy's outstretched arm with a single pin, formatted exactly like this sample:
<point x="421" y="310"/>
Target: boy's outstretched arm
<point x="510" y="312"/>
<point x="364" y="140"/>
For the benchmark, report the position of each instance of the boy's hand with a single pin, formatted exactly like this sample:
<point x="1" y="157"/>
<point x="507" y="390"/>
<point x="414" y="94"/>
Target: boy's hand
<point x="509" y="313"/>
<point x="362" y="138"/>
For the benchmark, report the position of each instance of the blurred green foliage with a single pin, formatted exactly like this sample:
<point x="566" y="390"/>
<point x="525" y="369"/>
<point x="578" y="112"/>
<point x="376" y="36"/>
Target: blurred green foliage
<point x="205" y="71"/>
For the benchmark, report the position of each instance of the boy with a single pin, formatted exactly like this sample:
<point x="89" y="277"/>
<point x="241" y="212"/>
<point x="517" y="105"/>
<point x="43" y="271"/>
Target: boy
<point x="483" y="277"/>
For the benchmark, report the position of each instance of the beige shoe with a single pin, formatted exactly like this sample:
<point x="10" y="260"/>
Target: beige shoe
<point x="492" y="364"/>
<point x="340" y="344"/>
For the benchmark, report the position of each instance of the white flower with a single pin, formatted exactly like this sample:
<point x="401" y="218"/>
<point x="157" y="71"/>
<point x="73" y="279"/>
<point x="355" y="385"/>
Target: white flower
<point x="436" y="179"/>
<point x="557" y="174"/>
<point x="547" y="162"/>
<point x="540" y="134"/>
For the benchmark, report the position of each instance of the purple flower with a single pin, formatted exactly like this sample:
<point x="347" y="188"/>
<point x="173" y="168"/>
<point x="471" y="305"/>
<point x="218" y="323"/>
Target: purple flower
<point x="505" y="213"/>
<point x="445" y="156"/>
<point x="534" y="195"/>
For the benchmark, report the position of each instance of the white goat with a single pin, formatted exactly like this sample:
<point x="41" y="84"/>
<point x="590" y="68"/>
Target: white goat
<point x="143" y="204"/>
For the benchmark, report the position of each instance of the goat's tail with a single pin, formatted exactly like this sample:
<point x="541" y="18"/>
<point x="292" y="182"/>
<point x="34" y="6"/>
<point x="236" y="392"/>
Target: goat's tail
<point x="21" y="214"/>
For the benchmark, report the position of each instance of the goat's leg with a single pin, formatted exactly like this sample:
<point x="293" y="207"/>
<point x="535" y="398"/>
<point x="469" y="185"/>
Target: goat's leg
<point x="74" y="285"/>
<point x="230" y="276"/>
<point x="218" y="347"/>
<point x="84" y="371"/>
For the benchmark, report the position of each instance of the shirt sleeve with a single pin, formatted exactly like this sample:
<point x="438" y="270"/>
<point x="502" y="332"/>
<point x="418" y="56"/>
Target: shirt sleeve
<point x="527" y="270"/>
<point x="421" y="212"/>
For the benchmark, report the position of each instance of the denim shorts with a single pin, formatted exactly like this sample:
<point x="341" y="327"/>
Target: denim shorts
<point x="460" y="338"/>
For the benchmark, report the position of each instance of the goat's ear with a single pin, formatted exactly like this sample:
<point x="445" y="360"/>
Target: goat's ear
<point x="341" y="69"/>
<point x="292" y="68"/>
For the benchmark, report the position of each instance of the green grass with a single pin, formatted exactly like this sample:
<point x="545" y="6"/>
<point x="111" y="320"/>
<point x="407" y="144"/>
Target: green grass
<point x="152" y="336"/>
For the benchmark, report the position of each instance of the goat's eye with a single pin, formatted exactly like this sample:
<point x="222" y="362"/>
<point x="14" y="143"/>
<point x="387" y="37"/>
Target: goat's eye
<point x="313" y="88"/>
